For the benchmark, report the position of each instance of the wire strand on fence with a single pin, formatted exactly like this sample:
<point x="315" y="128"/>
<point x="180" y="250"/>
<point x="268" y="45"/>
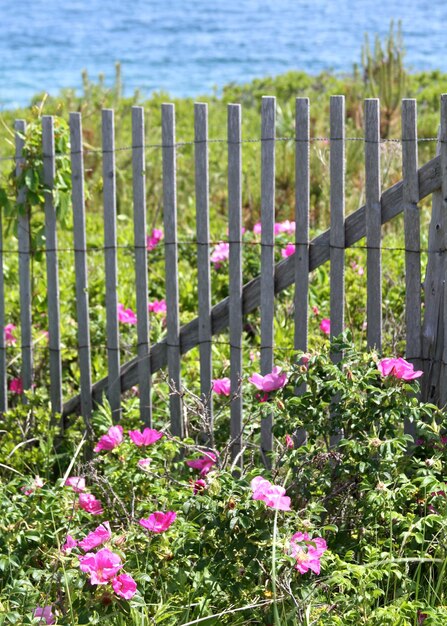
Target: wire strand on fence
<point x="277" y="245"/>
<point x="182" y="144"/>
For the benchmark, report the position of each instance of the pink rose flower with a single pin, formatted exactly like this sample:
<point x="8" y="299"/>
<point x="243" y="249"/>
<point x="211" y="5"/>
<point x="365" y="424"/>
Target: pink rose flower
<point x="288" y="250"/>
<point x="199" y="486"/>
<point x="399" y="368"/>
<point x="111" y="440"/>
<point x="270" y="382"/>
<point x="126" y="316"/>
<point x="9" y="337"/>
<point x="36" y="484"/>
<point x="325" y="326"/>
<point x="96" y="538"/>
<point x="16" y="386"/>
<point x="274" y="496"/>
<point x="257" y="228"/>
<point x="358" y="268"/>
<point x="145" y="438"/>
<point x="77" y="483"/>
<point x="158" y="522"/>
<point x="153" y="240"/>
<point x="69" y="544"/>
<point x="222" y="386"/>
<point x="144" y="462"/>
<point x="289" y="442"/>
<point x="89" y="503"/>
<point x="284" y="227"/>
<point x="204" y="464"/>
<point x="44" y="612"/>
<point x="157" y="306"/>
<point x="124" y="586"/>
<point x="220" y="254"/>
<point x="102" y="566"/>
<point x="307" y="552"/>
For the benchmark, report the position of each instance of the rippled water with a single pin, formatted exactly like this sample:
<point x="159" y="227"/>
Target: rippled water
<point x="188" y="46"/>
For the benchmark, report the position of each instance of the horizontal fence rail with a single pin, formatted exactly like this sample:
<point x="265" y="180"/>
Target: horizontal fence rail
<point x="380" y="207"/>
<point x="319" y="252"/>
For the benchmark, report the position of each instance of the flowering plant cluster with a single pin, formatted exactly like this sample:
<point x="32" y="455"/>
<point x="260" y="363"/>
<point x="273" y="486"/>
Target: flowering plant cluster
<point x="149" y="516"/>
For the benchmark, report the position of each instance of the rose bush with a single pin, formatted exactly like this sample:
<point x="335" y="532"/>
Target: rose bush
<point x="330" y="535"/>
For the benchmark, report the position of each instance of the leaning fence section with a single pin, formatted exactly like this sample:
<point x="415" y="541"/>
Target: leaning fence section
<point x="380" y="206"/>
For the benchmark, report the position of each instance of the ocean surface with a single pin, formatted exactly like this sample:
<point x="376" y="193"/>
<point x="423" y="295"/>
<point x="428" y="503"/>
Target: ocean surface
<point x="189" y="47"/>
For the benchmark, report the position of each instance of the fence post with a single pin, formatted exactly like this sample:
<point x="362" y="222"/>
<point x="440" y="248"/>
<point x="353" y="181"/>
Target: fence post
<point x="337" y="233"/>
<point x="139" y="220"/>
<point x="301" y="256"/>
<point x="268" y="137"/>
<point x="24" y="241"/>
<point x="49" y="172"/>
<point x="203" y="256"/>
<point x="410" y="197"/>
<point x="111" y="268"/>
<point x="80" y="254"/>
<point x="373" y="224"/>
<point x="171" y="265"/>
<point x="443" y="146"/>
<point x="433" y="331"/>
<point x="235" y="285"/>
<point x="3" y="381"/>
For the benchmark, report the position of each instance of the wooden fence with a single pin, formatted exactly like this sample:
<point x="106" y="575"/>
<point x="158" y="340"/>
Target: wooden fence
<point x="425" y="342"/>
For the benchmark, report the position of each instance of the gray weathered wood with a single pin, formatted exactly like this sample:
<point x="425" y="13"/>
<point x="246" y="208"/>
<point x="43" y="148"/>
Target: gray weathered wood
<point x="302" y="207"/>
<point x="111" y="264"/>
<point x="443" y="155"/>
<point x="49" y="172"/>
<point x="337" y="200"/>
<point x="337" y="232"/>
<point x="203" y="252"/>
<point x="412" y="229"/>
<point x="373" y="224"/>
<point x="80" y="258"/>
<point x="355" y="229"/>
<point x="235" y="280"/>
<point x="171" y="264"/>
<point x="268" y="134"/>
<point x="23" y="235"/>
<point x="432" y="336"/>
<point x="3" y="381"/>
<point x="412" y="238"/>
<point x="140" y="227"/>
<point x="301" y="256"/>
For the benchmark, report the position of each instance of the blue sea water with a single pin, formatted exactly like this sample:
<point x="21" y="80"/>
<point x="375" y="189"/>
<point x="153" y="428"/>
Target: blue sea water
<point x="187" y="47"/>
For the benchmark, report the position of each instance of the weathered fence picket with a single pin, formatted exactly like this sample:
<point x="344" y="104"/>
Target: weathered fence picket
<point x="141" y="283"/>
<point x="111" y="263"/>
<point x="302" y="210"/>
<point x="203" y="253"/>
<point x="337" y="204"/>
<point x="373" y="224"/>
<point x="268" y="135"/>
<point x="171" y="265"/>
<point x="443" y="147"/>
<point x="3" y="379"/>
<point x="412" y="238"/>
<point x="426" y="343"/>
<point x="23" y="236"/>
<point x="337" y="232"/>
<point x="54" y="340"/>
<point x="301" y="256"/>
<point x="80" y="259"/>
<point x="234" y="136"/>
<point x="412" y="230"/>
